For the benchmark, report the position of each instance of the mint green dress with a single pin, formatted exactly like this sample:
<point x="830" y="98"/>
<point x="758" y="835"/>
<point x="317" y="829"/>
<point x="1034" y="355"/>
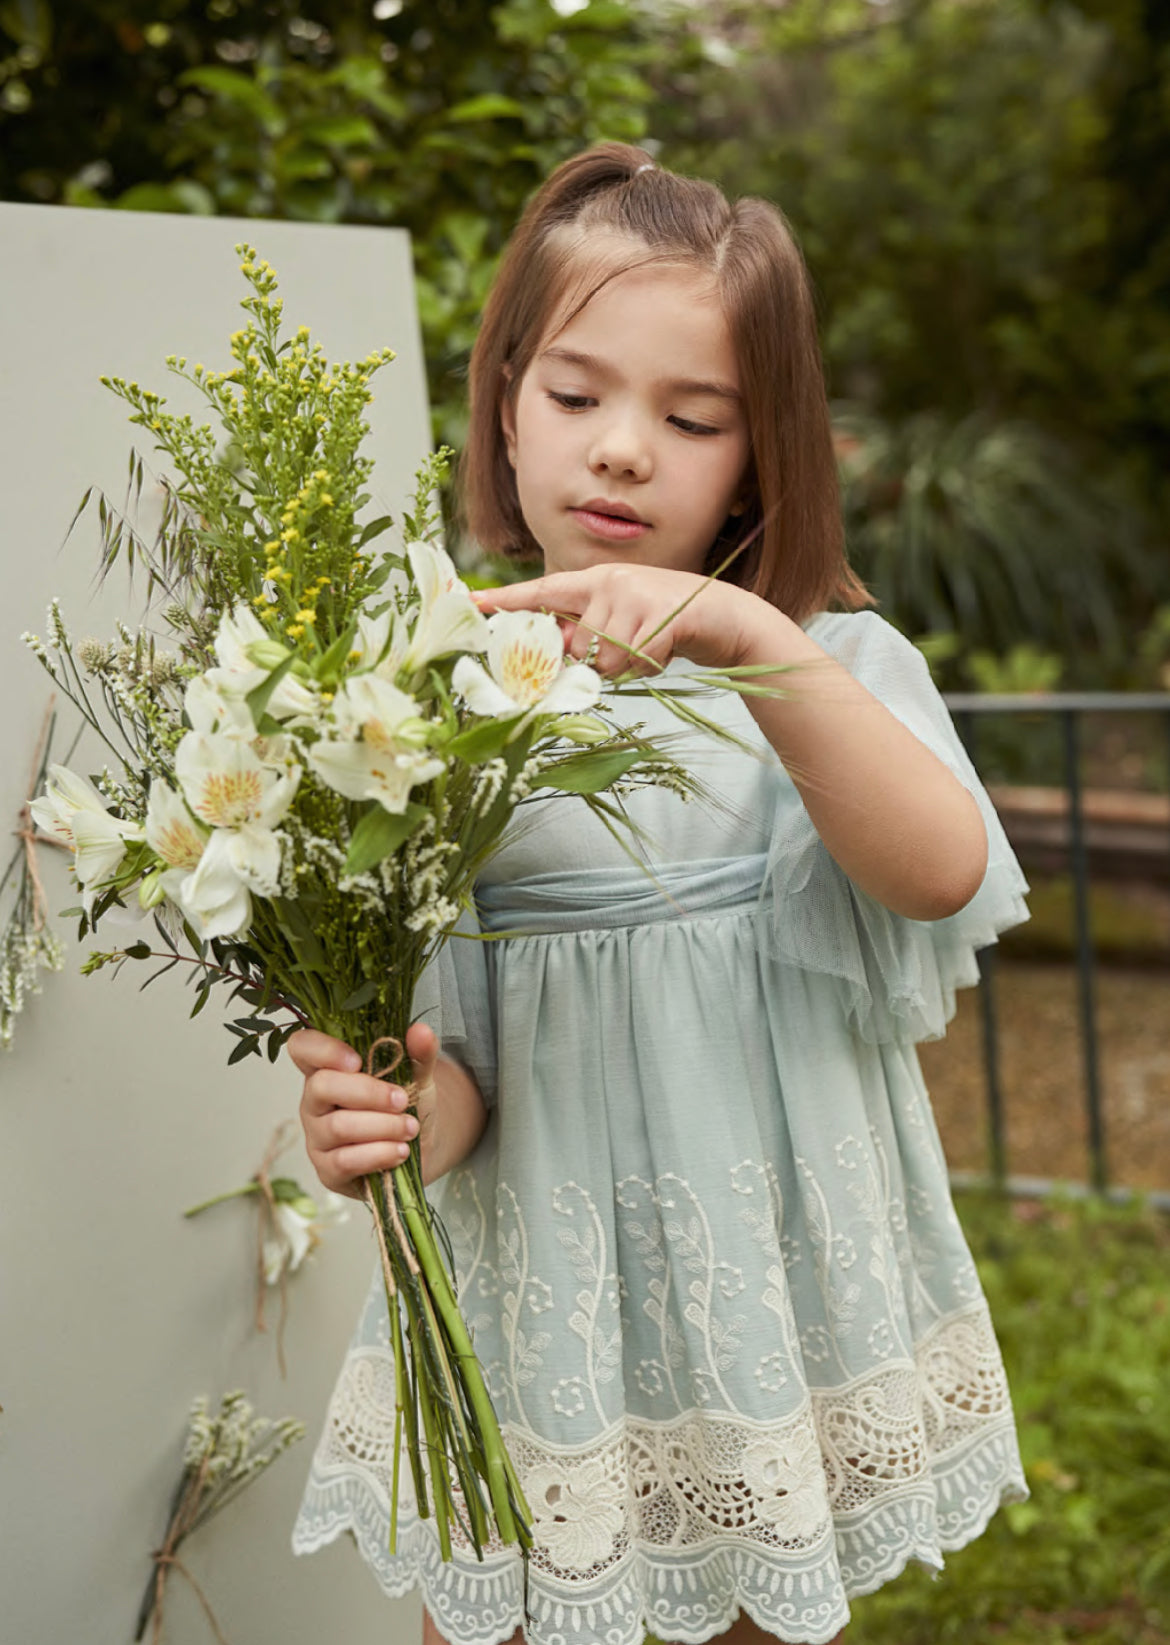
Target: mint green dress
<point x="705" y="1245"/>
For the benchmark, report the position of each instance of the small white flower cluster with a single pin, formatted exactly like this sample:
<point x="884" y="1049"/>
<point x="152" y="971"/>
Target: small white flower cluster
<point x="522" y="782"/>
<point x="424" y="865"/>
<point x="24" y="954"/>
<point x="489" y="779"/>
<point x="234" y="1444"/>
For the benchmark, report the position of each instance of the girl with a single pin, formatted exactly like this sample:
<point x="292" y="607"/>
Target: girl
<point x="699" y="1211"/>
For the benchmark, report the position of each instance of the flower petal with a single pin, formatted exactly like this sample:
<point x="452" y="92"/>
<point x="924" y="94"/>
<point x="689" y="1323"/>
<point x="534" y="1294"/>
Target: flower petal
<point x="214" y="898"/>
<point x="576" y="687"/>
<point x="171" y="831"/>
<point x="100" y="847"/>
<point x="479" y="691"/>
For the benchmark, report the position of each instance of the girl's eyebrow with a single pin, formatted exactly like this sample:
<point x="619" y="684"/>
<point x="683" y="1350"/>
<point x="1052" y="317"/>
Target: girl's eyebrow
<point x="673" y="385"/>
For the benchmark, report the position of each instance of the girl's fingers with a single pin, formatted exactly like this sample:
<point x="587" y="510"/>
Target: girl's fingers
<point x="310" y="1050"/>
<point x="343" y="1169"/>
<point x="561" y="591"/>
<point x="342" y="1128"/>
<point x="422" y="1047"/>
<point x="328" y="1088"/>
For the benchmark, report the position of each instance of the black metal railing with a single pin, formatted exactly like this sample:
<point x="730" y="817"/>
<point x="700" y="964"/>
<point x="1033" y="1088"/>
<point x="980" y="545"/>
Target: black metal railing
<point x="1068" y="709"/>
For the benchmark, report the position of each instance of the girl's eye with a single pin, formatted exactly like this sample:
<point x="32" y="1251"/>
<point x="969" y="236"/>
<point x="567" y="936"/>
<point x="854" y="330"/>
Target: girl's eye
<point x="693" y="428"/>
<point x="571" y="402"/>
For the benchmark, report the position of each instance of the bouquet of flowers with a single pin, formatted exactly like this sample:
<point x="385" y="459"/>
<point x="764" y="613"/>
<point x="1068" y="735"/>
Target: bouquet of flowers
<point x="315" y="741"/>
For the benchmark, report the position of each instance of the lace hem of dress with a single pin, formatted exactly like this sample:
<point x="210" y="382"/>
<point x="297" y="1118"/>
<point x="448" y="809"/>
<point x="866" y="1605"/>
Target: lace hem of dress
<point x="678" y="1526"/>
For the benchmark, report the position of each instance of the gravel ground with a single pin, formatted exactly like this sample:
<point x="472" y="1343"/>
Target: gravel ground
<point x="1042" y="1075"/>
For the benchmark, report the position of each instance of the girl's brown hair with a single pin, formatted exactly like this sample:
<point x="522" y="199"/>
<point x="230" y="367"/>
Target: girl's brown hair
<point x="795" y="557"/>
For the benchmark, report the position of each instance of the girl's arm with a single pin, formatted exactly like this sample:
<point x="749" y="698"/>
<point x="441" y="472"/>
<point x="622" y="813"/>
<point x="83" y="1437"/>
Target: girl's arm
<point x="355" y="1124"/>
<point x="898" y="822"/>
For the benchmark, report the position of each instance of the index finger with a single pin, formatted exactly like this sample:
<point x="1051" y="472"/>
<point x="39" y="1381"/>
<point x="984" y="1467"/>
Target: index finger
<point x="560" y="591"/>
<point x="311" y="1050"/>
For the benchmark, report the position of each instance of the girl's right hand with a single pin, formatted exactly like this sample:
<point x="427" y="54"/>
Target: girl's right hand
<point x="354" y="1124"/>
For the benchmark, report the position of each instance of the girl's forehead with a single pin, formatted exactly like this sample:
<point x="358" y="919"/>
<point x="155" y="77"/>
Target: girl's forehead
<point x="604" y="270"/>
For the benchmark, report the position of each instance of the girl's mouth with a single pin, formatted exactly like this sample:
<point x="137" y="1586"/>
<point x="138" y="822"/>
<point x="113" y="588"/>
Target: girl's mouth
<point x="611" y="527"/>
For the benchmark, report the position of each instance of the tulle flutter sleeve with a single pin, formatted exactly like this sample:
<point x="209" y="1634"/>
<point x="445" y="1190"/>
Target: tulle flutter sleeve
<point x="897" y="976"/>
<point x="455" y="998"/>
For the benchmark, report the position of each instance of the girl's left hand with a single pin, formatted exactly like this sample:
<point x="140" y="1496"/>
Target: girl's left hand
<point x="641" y="616"/>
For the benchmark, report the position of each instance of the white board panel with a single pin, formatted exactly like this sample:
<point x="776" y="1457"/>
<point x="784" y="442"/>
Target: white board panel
<point x="116" y="1112"/>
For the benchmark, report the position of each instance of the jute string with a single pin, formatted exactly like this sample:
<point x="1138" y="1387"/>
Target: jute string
<point x="166" y="1558"/>
<point x="26" y="832"/>
<point x="280" y="1141"/>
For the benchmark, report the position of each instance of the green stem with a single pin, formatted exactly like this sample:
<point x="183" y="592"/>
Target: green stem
<point x="218" y="1199"/>
<point x="444" y="1298"/>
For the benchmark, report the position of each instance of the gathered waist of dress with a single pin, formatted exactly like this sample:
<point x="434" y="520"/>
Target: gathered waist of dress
<point x="601" y="898"/>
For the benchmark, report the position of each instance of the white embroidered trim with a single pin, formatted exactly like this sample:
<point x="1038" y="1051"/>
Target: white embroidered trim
<point x="677" y="1526"/>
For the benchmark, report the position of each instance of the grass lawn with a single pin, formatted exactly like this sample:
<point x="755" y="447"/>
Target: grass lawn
<point x="1080" y="1294"/>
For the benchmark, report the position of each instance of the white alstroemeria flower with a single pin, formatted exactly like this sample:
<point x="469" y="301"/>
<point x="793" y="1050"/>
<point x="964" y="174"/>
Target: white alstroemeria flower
<point x="227" y="785"/>
<point x="72" y="811"/>
<point x="173" y="834"/>
<point x="447" y="619"/>
<point x="209" y="707"/>
<point x="241" y="799"/>
<point x="99" y="842"/>
<point x="66" y="797"/>
<point x="299" y="1223"/>
<point x="381" y="644"/>
<point x="526" y="671"/>
<point x="216" y="897"/>
<point x="237" y="674"/>
<point x="387" y="762"/>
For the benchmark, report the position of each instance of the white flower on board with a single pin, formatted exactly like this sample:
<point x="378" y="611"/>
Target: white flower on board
<point x="448" y="619"/>
<point x="577" y="1510"/>
<point x="526" y="670"/>
<point x="298" y="1226"/>
<point x="377" y="756"/>
<point x="787" y="1480"/>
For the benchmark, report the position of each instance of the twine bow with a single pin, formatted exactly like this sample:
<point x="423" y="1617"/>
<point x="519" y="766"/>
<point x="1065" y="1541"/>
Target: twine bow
<point x="166" y="1560"/>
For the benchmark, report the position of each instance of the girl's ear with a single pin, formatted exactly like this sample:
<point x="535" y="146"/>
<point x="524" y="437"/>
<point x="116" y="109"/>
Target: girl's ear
<point x="508" y="414"/>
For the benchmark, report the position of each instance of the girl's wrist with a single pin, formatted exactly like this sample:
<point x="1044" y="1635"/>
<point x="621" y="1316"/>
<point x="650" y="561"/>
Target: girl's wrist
<point x="767" y="635"/>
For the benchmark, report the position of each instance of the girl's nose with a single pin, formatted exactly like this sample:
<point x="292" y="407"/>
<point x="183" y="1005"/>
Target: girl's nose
<point x="622" y="451"/>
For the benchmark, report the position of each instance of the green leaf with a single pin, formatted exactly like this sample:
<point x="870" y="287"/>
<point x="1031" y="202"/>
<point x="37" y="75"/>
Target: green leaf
<point x="239" y="89"/>
<point x="246" y="1048"/>
<point x="482" y="742"/>
<point x="183" y="197"/>
<point x="29" y="23"/>
<point x="375" y="528"/>
<point x="340" y="131"/>
<point x="588" y="773"/>
<point x="330" y="661"/>
<point x="492" y="105"/>
<point x="257" y="700"/>
<point x="137" y="951"/>
<point x="360" y="996"/>
<point x="378" y="834"/>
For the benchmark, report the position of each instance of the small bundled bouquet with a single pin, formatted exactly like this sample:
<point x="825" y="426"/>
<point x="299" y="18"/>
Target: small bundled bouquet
<point x="314" y="744"/>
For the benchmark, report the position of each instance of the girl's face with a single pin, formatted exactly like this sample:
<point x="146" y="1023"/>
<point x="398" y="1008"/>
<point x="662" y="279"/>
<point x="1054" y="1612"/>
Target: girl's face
<point x="627" y="432"/>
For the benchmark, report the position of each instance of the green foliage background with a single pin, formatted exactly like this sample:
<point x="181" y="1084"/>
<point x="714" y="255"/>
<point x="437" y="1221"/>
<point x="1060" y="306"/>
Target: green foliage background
<point x="979" y="187"/>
